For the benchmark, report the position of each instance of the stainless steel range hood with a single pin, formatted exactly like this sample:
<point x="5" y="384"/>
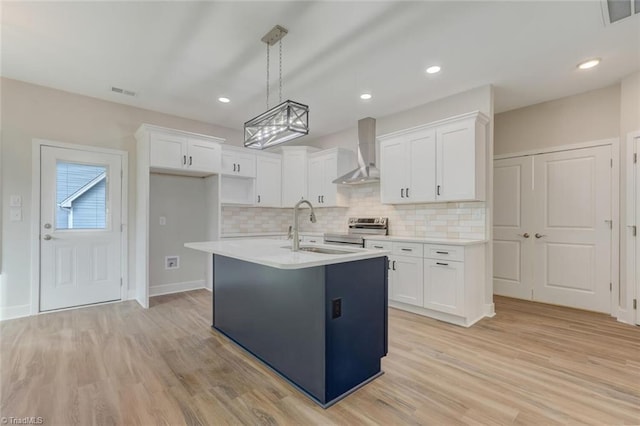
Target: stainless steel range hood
<point x="366" y="171"/>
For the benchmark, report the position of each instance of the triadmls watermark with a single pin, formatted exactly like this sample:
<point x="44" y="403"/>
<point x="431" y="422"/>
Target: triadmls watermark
<point x="29" y="420"/>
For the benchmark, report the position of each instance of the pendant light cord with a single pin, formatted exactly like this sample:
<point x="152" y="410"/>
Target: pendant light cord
<point x="280" y="44"/>
<point x="267" y="76"/>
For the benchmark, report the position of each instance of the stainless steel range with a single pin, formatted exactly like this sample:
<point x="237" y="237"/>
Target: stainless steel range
<point x="359" y="228"/>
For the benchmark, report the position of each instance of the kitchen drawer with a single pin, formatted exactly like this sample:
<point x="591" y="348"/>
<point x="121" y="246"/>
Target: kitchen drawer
<point x="433" y="251"/>
<point x="407" y="249"/>
<point x="377" y="244"/>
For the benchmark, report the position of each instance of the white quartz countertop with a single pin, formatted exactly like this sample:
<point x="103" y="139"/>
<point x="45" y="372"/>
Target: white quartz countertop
<point x="424" y="240"/>
<point x="278" y="254"/>
<point x="268" y="234"/>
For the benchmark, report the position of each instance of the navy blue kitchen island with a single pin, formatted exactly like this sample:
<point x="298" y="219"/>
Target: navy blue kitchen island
<point x="322" y="326"/>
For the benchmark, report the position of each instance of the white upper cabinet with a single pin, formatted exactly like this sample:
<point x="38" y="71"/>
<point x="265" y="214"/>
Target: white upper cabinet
<point x="268" y="180"/>
<point x="183" y="153"/>
<point x="408" y="164"/>
<point x="294" y="174"/>
<point x="324" y="167"/>
<point x="443" y="161"/>
<point x="238" y="162"/>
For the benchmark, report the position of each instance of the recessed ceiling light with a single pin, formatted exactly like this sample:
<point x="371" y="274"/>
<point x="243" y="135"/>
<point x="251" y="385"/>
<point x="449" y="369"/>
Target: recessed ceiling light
<point x="365" y="96"/>
<point x="224" y="100"/>
<point x="589" y="64"/>
<point x="433" y="69"/>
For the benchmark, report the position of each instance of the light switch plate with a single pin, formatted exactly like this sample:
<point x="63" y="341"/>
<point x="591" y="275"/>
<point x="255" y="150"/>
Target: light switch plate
<point x="15" y="201"/>
<point x="15" y="214"/>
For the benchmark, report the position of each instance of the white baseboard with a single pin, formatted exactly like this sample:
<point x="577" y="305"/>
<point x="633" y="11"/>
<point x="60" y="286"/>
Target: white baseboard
<point x="131" y="294"/>
<point x="489" y="310"/>
<point x="11" y="312"/>
<point x="157" y="290"/>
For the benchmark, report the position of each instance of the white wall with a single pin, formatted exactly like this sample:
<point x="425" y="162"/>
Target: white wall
<point x="29" y="111"/>
<point x="181" y="200"/>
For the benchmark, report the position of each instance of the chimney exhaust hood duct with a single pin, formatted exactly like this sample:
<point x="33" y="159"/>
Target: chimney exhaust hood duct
<point x="366" y="172"/>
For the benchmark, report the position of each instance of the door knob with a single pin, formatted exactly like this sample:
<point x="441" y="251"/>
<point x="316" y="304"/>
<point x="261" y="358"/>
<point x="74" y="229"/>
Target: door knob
<point x="46" y="237"/>
<point x="47" y="226"/>
<point x="525" y="235"/>
<point x="539" y="235"/>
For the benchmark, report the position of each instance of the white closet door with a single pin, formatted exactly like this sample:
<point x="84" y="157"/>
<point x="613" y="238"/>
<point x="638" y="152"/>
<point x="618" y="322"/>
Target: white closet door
<point x="637" y="222"/>
<point x="513" y="229"/>
<point x="572" y="237"/>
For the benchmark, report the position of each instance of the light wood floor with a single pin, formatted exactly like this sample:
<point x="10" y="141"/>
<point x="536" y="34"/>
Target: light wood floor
<point x="119" y="364"/>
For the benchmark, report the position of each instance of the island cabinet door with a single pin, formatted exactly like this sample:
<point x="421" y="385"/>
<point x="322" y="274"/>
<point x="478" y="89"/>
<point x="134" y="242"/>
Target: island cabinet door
<point x="356" y="318"/>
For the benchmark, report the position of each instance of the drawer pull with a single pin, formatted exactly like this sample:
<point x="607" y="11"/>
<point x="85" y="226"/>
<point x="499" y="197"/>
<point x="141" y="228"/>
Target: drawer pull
<point x="406" y="249"/>
<point x="442" y="264"/>
<point x="378" y="247"/>
<point x="442" y="252"/>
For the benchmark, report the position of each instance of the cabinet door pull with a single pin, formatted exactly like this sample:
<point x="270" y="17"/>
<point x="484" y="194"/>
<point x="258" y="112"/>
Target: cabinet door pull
<point x="322" y="197"/>
<point x="394" y="265"/>
<point x="238" y="167"/>
<point x="406" y="249"/>
<point x="407" y="192"/>
<point x="318" y="199"/>
<point x="388" y="264"/>
<point x="184" y="160"/>
<point x="443" y="264"/>
<point x="438" y="190"/>
<point x="442" y="252"/>
<point x="190" y="160"/>
<point x="312" y="241"/>
<point x="378" y="247"/>
<point x="258" y="198"/>
<point x="401" y="192"/>
<point x="234" y="167"/>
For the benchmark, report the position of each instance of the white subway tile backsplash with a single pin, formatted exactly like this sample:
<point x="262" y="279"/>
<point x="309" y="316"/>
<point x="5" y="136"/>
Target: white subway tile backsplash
<point x="441" y="220"/>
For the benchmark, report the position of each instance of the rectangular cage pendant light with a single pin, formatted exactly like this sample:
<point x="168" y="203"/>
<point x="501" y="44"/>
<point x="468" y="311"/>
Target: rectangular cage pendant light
<point x="280" y="124"/>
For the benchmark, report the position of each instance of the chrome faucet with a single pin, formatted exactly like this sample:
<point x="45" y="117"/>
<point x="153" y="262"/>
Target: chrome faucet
<point x="312" y="218"/>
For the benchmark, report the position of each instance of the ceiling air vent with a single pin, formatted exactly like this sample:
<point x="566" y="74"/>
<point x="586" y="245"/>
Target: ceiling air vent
<point x="615" y="10"/>
<point x="123" y="91"/>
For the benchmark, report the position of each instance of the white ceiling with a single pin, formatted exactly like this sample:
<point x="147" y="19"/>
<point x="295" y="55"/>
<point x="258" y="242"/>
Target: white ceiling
<point x="181" y="56"/>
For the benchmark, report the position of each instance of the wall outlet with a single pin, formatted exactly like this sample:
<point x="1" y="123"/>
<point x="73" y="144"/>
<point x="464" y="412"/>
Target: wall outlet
<point x="15" y="214"/>
<point x="163" y="220"/>
<point x="15" y="201"/>
<point x="172" y="262"/>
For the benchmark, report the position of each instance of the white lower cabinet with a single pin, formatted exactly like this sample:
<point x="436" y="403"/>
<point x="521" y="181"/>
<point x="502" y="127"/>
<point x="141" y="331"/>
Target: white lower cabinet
<point x="444" y="286"/>
<point x="405" y="280"/>
<point x="446" y="282"/>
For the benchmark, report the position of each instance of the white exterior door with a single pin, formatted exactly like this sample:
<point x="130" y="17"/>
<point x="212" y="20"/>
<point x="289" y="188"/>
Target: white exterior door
<point x="513" y="227"/>
<point x="573" y="228"/>
<point x="80" y="228"/>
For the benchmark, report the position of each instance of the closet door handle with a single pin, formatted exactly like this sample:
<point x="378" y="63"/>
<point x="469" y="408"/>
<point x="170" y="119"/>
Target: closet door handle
<point x="184" y="160"/>
<point x="190" y="160"/>
<point x="539" y="235"/>
<point x="401" y="192"/>
<point x="525" y="235"/>
<point x="407" y="192"/>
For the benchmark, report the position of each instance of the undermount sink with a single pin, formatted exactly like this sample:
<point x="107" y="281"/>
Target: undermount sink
<point x="322" y="250"/>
